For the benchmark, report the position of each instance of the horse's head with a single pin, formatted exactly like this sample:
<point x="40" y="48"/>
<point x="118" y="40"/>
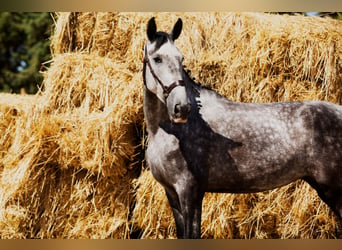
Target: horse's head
<point x="163" y="71"/>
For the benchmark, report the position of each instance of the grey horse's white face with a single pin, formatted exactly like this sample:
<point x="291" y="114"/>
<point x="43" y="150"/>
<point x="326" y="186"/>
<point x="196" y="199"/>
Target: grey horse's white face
<point x="166" y="62"/>
<point x="164" y="71"/>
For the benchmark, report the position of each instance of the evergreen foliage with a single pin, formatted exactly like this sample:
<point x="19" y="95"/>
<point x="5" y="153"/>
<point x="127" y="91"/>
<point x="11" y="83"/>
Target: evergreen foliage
<point x="24" y="46"/>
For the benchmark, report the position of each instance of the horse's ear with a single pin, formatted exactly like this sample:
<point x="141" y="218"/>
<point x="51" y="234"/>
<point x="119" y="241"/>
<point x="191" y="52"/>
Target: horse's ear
<point x="151" y="29"/>
<point x="177" y="29"/>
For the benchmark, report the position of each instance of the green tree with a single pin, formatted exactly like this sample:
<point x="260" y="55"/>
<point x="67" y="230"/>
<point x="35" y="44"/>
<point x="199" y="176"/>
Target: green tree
<point x="24" y="46"/>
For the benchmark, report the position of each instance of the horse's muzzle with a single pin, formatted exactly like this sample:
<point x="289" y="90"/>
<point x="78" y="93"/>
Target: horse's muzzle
<point x="181" y="113"/>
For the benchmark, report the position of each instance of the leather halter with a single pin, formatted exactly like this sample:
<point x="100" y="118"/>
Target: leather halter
<point x="166" y="89"/>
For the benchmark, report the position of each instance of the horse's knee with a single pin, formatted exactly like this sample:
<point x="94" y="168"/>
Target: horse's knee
<point x="173" y="198"/>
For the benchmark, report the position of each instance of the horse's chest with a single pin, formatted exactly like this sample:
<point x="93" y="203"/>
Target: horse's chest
<point x="164" y="157"/>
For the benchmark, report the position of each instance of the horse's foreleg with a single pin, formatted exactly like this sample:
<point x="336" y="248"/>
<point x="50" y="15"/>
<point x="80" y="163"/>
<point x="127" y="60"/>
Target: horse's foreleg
<point x="185" y="199"/>
<point x="196" y="222"/>
<point x="176" y="210"/>
<point x="191" y="205"/>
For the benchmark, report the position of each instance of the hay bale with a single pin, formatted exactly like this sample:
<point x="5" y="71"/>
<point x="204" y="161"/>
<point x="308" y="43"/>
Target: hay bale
<point x="102" y="104"/>
<point x="256" y="57"/>
<point x="69" y="162"/>
<point x="41" y="198"/>
<point x="233" y="53"/>
<point x="51" y="202"/>
<point x="14" y="110"/>
<point x="69" y="168"/>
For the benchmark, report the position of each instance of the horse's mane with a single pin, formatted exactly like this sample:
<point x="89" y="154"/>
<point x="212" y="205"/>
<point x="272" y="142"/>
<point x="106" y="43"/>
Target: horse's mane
<point x="192" y="79"/>
<point x="194" y="86"/>
<point x="197" y="86"/>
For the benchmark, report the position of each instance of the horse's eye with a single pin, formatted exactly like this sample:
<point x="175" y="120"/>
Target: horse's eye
<point x="157" y="59"/>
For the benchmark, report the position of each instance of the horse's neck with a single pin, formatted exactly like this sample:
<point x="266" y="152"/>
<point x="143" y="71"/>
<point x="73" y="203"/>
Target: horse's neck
<point x="155" y="111"/>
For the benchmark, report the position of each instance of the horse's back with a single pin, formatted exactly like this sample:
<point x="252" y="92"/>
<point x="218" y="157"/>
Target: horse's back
<point x="281" y="142"/>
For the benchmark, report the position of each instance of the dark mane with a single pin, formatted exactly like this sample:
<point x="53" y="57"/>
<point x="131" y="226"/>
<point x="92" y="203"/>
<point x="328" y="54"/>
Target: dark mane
<point x="191" y="79"/>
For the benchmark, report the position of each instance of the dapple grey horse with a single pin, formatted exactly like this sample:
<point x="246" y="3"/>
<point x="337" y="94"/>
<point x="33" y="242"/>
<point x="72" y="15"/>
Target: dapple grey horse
<point x="198" y="141"/>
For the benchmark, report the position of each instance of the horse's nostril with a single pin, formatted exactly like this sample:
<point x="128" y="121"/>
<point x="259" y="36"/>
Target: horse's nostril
<point x="177" y="108"/>
<point x="182" y="110"/>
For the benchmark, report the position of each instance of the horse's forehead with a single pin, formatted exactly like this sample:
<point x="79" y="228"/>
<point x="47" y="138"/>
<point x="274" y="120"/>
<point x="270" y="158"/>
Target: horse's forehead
<point x="169" y="49"/>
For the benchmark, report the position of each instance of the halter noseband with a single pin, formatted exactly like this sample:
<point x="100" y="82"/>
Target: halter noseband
<point x="166" y="89"/>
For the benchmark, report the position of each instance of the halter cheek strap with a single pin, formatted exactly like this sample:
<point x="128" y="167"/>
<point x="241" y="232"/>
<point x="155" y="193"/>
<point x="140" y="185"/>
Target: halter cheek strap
<point x="166" y="89"/>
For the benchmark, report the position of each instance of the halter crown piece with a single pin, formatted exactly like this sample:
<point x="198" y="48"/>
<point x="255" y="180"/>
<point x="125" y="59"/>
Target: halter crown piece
<point x="166" y="89"/>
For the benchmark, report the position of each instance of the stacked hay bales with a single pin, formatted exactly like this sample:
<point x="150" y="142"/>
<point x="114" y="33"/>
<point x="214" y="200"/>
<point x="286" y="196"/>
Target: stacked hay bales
<point x="68" y="168"/>
<point x="71" y="158"/>
<point x="68" y="172"/>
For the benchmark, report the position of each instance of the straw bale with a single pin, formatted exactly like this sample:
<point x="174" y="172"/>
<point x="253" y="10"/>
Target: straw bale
<point x="70" y="32"/>
<point x="230" y="52"/>
<point x="103" y="107"/>
<point x="69" y="159"/>
<point x="13" y="111"/>
<point x="42" y="198"/>
<point x="69" y="167"/>
<point x="240" y="51"/>
<point x="65" y="203"/>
